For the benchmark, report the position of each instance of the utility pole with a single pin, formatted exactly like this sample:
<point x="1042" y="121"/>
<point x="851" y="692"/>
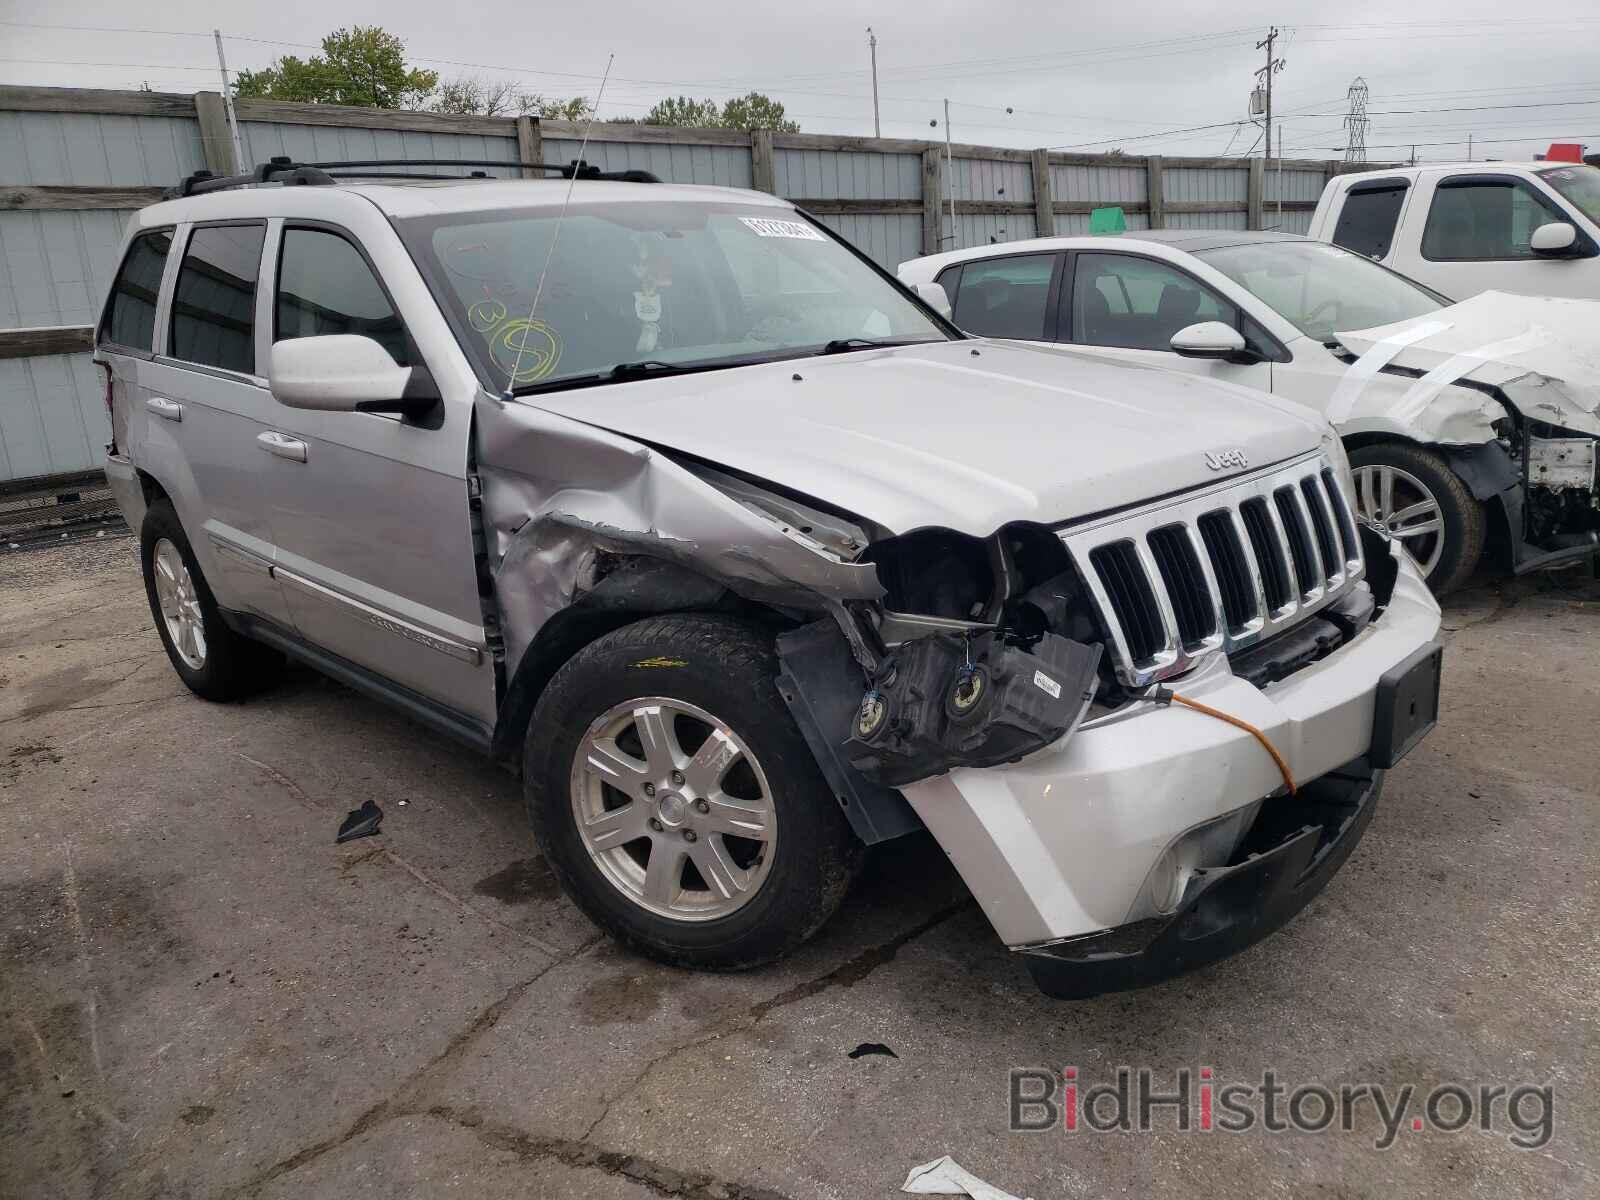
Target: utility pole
<point x="949" y="173"/>
<point x="872" y="47"/>
<point x="1265" y="74"/>
<point x="1469" y="147"/>
<point x="227" y="102"/>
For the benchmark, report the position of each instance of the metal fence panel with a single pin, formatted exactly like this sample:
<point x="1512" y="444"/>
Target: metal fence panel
<point x="985" y="229"/>
<point x="723" y="166"/>
<point x="1209" y="220"/>
<point x="52" y="417"/>
<point x="846" y="175"/>
<point x="1101" y="185"/>
<point x="264" y="140"/>
<point x="1206" y="183"/>
<point x="96" y="149"/>
<point x="888" y="240"/>
<point x="55" y="267"/>
<point x="993" y="179"/>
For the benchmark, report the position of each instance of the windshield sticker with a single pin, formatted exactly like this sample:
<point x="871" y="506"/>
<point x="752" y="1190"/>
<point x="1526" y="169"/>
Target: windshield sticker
<point x="772" y="227"/>
<point x="525" y="350"/>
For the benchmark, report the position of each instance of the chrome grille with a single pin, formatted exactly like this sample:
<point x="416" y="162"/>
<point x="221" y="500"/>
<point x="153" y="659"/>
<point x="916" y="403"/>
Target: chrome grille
<point x="1218" y="569"/>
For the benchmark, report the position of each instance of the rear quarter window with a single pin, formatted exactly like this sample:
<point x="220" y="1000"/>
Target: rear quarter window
<point x="214" y="302"/>
<point x="130" y="316"/>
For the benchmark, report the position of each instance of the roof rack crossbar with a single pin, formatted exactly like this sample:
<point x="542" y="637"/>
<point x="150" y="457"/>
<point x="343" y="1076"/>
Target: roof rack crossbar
<point x="286" y="171"/>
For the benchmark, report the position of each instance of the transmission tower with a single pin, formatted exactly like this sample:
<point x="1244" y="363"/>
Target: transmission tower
<point x="1356" y="122"/>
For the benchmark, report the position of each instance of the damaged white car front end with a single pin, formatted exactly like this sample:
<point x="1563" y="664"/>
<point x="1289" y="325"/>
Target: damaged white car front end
<point x="1509" y="387"/>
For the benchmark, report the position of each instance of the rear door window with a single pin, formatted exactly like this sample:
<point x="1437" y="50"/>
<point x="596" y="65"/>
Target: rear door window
<point x="130" y="318"/>
<point x="1485" y="218"/>
<point x="1138" y="304"/>
<point x="1007" y="297"/>
<point x="1368" y="218"/>
<point x="214" y="303"/>
<point x="325" y="286"/>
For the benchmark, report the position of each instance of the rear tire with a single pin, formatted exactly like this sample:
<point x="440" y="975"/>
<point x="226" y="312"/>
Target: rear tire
<point x="213" y="661"/>
<point x="641" y="752"/>
<point x="1428" y="510"/>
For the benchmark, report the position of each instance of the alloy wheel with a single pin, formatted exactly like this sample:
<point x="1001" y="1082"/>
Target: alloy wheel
<point x="674" y="809"/>
<point x="180" y="604"/>
<point x="1396" y="502"/>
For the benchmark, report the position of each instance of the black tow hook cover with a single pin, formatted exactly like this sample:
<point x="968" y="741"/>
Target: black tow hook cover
<point x="948" y="701"/>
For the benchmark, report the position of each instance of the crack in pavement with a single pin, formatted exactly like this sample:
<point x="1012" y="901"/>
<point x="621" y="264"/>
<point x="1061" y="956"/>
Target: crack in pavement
<point x="407" y="1099"/>
<point x="657" y="1177"/>
<point x="847" y="974"/>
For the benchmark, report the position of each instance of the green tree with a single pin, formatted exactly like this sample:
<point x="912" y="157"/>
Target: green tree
<point x="756" y="111"/>
<point x="752" y="111"/>
<point x="556" y="108"/>
<point x="680" y="110"/>
<point x="362" y="65"/>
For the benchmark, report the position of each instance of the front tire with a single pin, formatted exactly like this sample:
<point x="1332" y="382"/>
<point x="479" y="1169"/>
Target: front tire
<point x="212" y="660"/>
<point x="1414" y="495"/>
<point x="674" y="798"/>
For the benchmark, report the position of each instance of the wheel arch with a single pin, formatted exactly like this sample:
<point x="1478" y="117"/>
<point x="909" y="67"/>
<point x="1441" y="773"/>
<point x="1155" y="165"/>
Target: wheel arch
<point x="637" y="587"/>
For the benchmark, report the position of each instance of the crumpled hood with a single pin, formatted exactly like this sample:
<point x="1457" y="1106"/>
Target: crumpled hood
<point x="967" y="435"/>
<point x="1543" y="353"/>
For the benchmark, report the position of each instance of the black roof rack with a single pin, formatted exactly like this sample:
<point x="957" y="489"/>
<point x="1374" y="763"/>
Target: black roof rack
<point x="286" y="171"/>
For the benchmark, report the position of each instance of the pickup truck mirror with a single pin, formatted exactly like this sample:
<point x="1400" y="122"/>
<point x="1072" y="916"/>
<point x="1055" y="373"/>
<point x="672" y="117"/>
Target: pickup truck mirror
<point x="935" y="298"/>
<point x="338" y="372"/>
<point x="1557" y="239"/>
<point x="1210" y="339"/>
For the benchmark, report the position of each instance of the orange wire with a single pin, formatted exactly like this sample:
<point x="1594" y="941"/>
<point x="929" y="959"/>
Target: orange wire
<point x="1283" y="767"/>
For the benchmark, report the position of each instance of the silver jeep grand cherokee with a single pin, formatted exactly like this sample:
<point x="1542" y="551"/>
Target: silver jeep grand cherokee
<point x="747" y="559"/>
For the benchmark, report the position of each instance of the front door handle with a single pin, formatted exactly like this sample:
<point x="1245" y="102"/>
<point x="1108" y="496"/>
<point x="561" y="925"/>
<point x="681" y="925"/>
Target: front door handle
<point x="282" y="445"/>
<point x="160" y="406"/>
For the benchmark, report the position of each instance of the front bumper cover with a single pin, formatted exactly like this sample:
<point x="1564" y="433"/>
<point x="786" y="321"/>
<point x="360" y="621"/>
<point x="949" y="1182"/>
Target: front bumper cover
<point x="1224" y="909"/>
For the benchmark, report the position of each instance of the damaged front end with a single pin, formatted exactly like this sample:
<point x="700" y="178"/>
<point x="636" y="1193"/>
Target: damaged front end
<point x="1508" y="387"/>
<point x="902" y="656"/>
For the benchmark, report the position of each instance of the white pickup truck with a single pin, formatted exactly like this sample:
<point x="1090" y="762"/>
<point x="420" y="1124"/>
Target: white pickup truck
<point x="1528" y="228"/>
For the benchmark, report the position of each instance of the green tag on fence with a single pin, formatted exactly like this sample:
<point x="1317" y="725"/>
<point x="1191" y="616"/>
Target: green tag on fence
<point x="1108" y="220"/>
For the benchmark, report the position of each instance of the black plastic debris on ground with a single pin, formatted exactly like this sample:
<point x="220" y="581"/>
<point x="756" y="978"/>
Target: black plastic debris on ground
<point x="360" y="822"/>
<point x="867" y="1048"/>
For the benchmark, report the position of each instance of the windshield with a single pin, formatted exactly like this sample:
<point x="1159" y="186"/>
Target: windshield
<point x="662" y="286"/>
<point x="1319" y="288"/>
<point x="1580" y="186"/>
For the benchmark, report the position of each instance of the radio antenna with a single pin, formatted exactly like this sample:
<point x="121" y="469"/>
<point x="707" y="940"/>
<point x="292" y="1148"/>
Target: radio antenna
<point x="550" y="254"/>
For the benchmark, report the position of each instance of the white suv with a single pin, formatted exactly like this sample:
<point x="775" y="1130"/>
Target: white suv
<point x="749" y="560"/>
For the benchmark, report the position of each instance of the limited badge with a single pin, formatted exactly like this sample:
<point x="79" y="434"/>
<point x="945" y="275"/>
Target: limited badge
<point x="1045" y="684"/>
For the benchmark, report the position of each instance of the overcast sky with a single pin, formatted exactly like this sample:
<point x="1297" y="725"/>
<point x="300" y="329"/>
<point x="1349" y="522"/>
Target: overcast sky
<point x="1088" y="76"/>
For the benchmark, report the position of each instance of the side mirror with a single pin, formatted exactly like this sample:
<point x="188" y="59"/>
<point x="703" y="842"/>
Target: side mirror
<point x="935" y="297"/>
<point x="1209" y="339"/>
<point x="338" y="372"/>
<point x="1555" y="239"/>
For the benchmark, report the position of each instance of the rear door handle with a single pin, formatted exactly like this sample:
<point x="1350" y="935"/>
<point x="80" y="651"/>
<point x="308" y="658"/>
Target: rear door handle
<point x="160" y="406"/>
<point x="282" y="445"/>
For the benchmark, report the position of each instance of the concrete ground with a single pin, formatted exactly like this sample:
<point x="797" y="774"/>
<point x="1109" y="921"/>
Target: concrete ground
<point x="201" y="995"/>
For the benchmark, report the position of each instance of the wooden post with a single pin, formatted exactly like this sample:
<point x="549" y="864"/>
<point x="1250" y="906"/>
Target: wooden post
<point x="932" y="198"/>
<point x="1044" y="212"/>
<point x="1155" y="189"/>
<point x="216" y="142"/>
<point x="763" y="173"/>
<point x="530" y="145"/>
<point x="1253" y="201"/>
